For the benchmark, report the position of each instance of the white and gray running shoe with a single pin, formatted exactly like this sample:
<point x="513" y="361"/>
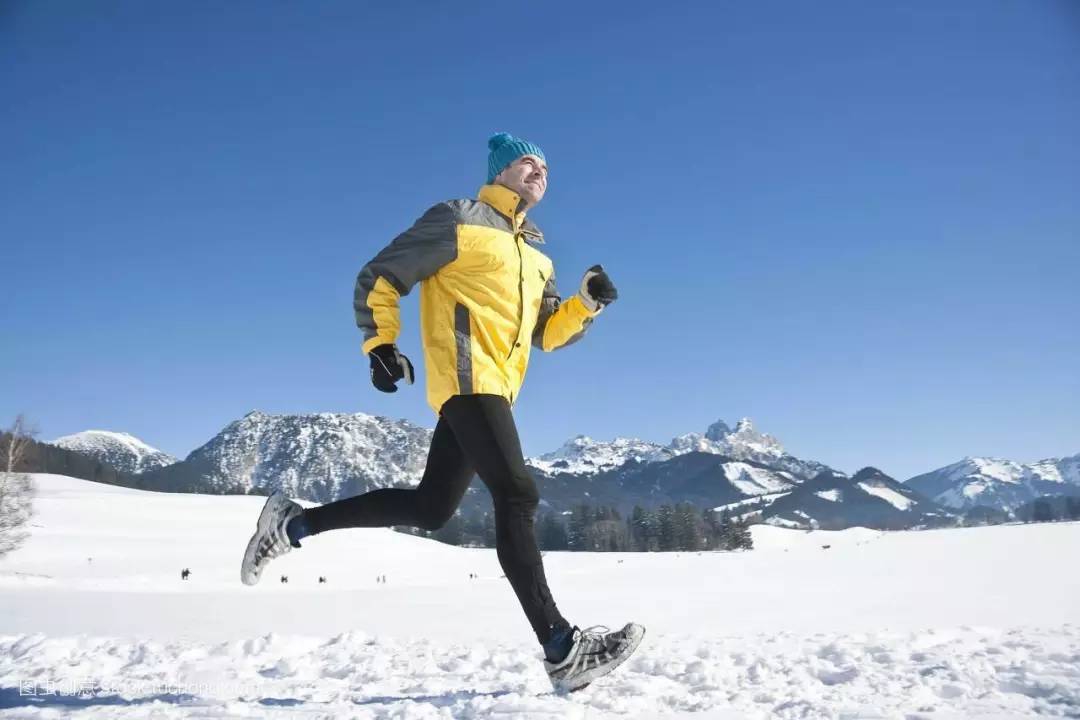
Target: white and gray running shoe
<point x="269" y="540"/>
<point x="595" y="653"/>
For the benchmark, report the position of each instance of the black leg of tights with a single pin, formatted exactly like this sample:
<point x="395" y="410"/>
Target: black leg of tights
<point x="475" y="434"/>
<point x="485" y="430"/>
<point x="446" y="477"/>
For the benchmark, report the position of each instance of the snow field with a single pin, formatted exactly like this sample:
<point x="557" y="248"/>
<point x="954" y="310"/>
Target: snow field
<point x="965" y="623"/>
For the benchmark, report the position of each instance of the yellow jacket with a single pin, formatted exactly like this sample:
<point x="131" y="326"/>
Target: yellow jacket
<point x="486" y="295"/>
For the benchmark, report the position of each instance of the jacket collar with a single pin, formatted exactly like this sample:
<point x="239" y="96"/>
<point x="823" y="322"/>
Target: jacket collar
<point x="507" y="203"/>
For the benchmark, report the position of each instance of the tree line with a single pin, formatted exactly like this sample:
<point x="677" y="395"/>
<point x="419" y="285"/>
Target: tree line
<point x="1049" y="508"/>
<point x="589" y="528"/>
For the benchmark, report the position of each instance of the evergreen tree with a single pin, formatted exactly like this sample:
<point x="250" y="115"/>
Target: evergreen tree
<point x="668" y="535"/>
<point x="741" y="537"/>
<point x="639" y="529"/>
<point x="711" y="524"/>
<point x="725" y="539"/>
<point x="696" y="528"/>
<point x="608" y="533"/>
<point x="655" y="530"/>
<point x="577" y="532"/>
<point x="1042" y="511"/>
<point x="552" y="533"/>
<point x="489" y="530"/>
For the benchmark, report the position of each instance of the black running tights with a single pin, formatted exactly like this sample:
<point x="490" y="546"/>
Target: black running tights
<point x="475" y="434"/>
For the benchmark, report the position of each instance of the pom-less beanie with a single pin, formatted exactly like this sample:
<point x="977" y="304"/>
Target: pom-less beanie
<point x="505" y="149"/>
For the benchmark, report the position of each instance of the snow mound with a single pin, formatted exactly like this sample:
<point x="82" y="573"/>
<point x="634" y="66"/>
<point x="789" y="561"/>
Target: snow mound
<point x="968" y="672"/>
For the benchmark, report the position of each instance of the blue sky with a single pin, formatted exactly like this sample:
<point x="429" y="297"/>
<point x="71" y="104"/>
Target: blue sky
<point x="856" y="223"/>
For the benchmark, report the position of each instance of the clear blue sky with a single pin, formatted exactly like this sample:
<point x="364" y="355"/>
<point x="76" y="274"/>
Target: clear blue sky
<point x="857" y="223"/>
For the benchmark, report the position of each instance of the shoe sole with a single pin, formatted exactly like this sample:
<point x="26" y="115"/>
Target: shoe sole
<point x="249" y="575"/>
<point x="608" y="669"/>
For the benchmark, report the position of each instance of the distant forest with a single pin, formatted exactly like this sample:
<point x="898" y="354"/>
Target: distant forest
<point x="591" y="528"/>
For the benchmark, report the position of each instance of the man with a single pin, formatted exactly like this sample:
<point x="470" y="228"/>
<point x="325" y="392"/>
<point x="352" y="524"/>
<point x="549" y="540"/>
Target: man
<point x="486" y="294"/>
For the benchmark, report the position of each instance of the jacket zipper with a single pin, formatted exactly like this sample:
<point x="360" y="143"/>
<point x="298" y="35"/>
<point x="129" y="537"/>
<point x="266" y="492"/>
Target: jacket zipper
<point x="521" y="295"/>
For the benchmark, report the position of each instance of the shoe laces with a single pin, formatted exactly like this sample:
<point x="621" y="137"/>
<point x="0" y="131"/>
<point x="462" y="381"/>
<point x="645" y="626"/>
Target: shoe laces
<point x="594" y="636"/>
<point x="595" y="631"/>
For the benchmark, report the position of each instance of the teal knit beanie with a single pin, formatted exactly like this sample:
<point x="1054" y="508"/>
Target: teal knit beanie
<point x="505" y="149"/>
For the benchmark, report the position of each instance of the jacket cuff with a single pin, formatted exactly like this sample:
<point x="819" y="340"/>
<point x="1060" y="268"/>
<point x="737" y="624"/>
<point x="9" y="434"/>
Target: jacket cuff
<point x="374" y="342"/>
<point x="580" y="309"/>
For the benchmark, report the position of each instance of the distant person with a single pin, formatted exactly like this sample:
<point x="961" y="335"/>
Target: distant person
<point x="486" y="294"/>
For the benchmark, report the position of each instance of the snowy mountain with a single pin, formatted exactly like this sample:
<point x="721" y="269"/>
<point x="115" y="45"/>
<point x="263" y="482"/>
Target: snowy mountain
<point x="702" y="478"/>
<point x="746" y="443"/>
<point x="327" y="456"/>
<point x="722" y="466"/>
<point x="832" y="500"/>
<point x="120" y="450"/>
<point x="584" y="456"/>
<point x="319" y="457"/>
<point x="999" y="484"/>
<point x="742" y="467"/>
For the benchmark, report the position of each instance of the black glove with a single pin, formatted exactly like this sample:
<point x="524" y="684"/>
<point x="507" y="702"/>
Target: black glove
<point x="597" y="290"/>
<point x="388" y="366"/>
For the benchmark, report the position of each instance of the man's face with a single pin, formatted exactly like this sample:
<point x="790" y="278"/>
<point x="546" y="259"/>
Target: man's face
<point x="527" y="176"/>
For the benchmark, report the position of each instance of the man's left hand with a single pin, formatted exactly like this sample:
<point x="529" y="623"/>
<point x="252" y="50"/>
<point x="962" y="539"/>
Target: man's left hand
<point x="597" y="290"/>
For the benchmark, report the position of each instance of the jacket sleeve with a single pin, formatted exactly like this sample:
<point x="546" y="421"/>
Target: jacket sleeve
<point x="560" y="323"/>
<point x="412" y="256"/>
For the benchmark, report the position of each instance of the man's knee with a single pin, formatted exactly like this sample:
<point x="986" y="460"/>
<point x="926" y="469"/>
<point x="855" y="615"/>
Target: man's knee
<point x="521" y="496"/>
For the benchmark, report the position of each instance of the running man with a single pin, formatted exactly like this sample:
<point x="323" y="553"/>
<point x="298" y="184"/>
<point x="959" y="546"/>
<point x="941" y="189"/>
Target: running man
<point x="487" y="294"/>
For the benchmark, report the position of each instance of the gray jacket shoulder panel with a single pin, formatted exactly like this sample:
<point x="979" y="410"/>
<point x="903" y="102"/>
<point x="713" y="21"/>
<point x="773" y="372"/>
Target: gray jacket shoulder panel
<point x="475" y="212"/>
<point x="532" y="233"/>
<point x="412" y="256"/>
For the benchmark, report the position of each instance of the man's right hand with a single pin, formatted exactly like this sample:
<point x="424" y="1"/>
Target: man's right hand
<point x="388" y="366"/>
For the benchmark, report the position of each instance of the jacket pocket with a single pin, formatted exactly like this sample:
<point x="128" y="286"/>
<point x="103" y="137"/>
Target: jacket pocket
<point x="463" y="346"/>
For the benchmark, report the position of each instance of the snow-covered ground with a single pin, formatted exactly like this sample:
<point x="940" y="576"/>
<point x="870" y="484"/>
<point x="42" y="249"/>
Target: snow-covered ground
<point x="96" y="622"/>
